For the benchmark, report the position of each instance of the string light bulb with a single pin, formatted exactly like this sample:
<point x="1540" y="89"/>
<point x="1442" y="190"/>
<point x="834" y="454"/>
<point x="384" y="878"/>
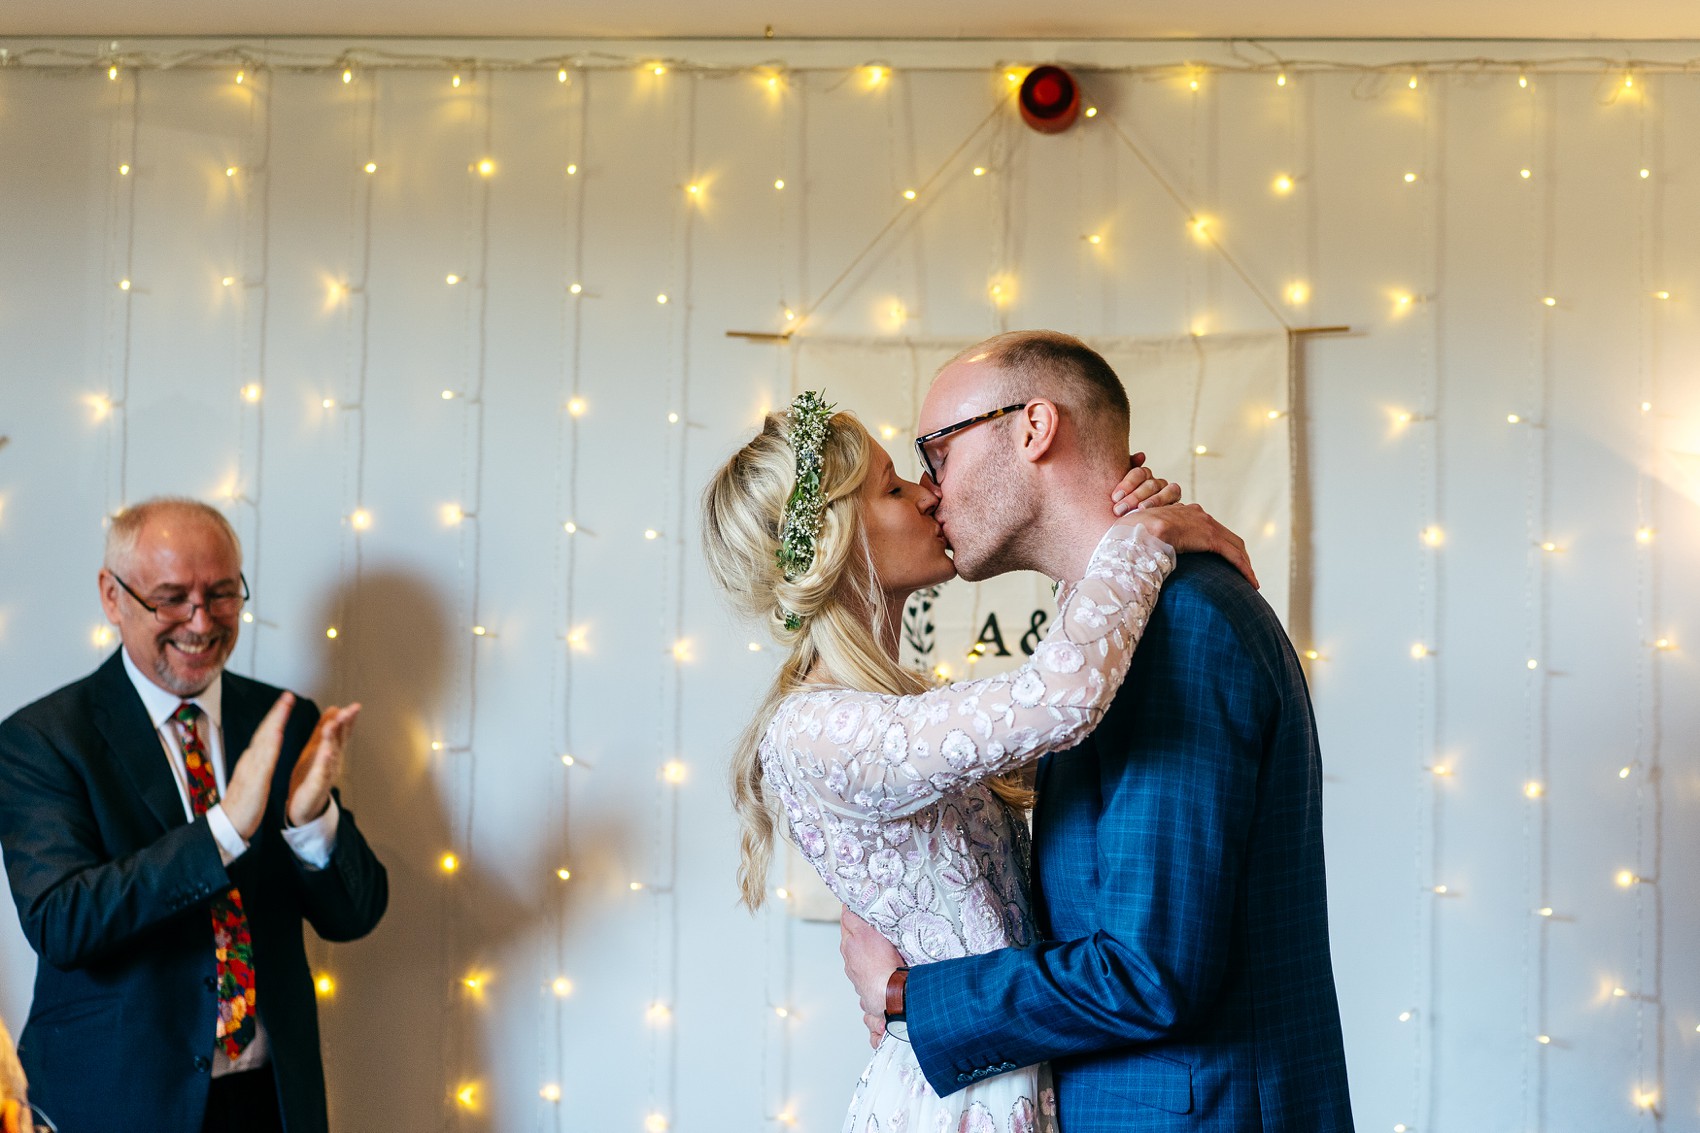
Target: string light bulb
<point x="655" y="1123"/>
<point x="251" y="393"/>
<point x="673" y="772"/>
<point x="112" y="72"/>
<point x="1643" y="535"/>
<point x="564" y="874"/>
<point x="572" y="170"/>
<point x="562" y="987"/>
<point x="467" y="1095"/>
<point x="1281" y="79"/>
<point x="1626" y="879"/>
<point x="451" y="514"/>
<point x="360" y="519"/>
<point x="1646" y="173"/>
<point x="561" y="75"/>
<point x="124" y="170"/>
<point x="551" y="1092"/>
<point x="779" y="182"/>
<point x="658" y="69"/>
<point x="451" y="279"/>
<point x="230" y="171"/>
<point x="658" y="1013"/>
<point x="486" y="167"/>
<point x="1410" y="178"/>
<point x="455" y="82"/>
<point x="1283" y="184"/>
<point x="347" y="77"/>
<point x="1298" y="293"/>
<point x="1513" y="418"/>
<point x="1523" y="81"/>
<point x="577" y="406"/>
<point x="1412" y="83"/>
<point x="876" y="76"/>
<point x="661" y="299"/>
<point x="331" y="633"/>
<point x="1534" y="789"/>
<point x="324" y="985"/>
<point x="102" y="636"/>
<point x="908" y="194"/>
<point x="575" y="289"/>
<point x="1433" y="536"/>
<point x="1091" y="112"/>
<point x="1419" y="651"/>
<point x="1550" y="301"/>
<point x="1525" y="174"/>
<point x="448" y="863"/>
<point x="979" y="171"/>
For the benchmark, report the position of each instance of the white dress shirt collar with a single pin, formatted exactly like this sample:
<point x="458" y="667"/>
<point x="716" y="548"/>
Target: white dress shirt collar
<point x="161" y="703"/>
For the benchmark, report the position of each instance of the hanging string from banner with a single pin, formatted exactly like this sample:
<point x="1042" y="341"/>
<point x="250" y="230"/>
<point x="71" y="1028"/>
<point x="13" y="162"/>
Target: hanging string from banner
<point x="253" y="297"/>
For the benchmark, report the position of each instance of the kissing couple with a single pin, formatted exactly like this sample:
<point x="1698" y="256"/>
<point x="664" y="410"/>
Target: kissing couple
<point x="1154" y="954"/>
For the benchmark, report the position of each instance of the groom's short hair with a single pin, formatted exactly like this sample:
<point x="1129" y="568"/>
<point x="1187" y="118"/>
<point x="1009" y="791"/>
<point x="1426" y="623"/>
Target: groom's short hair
<point x="1060" y="367"/>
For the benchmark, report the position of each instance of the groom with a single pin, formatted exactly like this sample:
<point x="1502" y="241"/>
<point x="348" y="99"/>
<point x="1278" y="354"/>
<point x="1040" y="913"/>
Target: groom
<point x="1182" y="978"/>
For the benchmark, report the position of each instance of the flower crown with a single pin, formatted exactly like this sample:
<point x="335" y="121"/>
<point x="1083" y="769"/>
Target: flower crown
<point x="806" y="508"/>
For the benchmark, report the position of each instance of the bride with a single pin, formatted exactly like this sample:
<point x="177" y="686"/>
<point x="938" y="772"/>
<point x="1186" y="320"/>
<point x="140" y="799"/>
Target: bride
<point x="909" y="800"/>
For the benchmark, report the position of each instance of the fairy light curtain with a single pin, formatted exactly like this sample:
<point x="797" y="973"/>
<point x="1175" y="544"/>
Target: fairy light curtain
<point x="446" y="335"/>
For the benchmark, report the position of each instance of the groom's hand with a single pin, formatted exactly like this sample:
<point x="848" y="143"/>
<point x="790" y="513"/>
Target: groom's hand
<point x="869" y="960"/>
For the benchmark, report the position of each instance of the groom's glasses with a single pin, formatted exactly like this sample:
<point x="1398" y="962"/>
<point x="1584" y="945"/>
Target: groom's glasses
<point x="921" y="443"/>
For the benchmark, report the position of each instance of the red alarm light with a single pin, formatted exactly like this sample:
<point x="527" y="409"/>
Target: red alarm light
<point x="1050" y="99"/>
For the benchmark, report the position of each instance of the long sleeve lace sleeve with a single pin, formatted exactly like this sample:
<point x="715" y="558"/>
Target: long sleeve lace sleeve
<point x="878" y="755"/>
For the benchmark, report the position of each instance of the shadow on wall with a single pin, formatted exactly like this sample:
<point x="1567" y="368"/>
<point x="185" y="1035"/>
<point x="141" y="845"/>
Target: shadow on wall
<point x="402" y="1031"/>
<point x="398" y="1028"/>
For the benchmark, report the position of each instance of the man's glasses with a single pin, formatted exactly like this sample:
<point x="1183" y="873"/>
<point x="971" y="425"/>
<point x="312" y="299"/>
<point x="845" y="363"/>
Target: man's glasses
<point x="39" y="1121"/>
<point x="921" y="443"/>
<point x="223" y="605"/>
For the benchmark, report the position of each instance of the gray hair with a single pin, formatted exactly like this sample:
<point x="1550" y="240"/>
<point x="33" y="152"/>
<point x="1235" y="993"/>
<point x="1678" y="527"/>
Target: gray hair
<point x="13" y="1086"/>
<point x="126" y="527"/>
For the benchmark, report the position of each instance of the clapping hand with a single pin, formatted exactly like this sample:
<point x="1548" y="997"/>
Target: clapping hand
<point x="320" y="766"/>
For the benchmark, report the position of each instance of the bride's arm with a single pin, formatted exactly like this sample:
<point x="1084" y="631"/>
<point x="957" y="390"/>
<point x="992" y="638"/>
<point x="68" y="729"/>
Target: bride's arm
<point x="882" y="756"/>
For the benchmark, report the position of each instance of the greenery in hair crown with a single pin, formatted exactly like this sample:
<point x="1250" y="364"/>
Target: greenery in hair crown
<point x="806" y="508"/>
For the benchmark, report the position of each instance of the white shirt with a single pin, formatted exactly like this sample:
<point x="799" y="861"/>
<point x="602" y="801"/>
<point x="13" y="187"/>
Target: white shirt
<point x="312" y="843"/>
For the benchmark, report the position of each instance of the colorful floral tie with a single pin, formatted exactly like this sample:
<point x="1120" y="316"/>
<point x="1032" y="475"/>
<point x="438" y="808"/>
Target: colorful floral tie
<point x="235" y="948"/>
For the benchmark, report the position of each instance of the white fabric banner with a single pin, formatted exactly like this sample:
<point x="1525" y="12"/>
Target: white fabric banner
<point x="1212" y="413"/>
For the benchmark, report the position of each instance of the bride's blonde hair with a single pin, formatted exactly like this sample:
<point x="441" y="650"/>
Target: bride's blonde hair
<point x="839" y="607"/>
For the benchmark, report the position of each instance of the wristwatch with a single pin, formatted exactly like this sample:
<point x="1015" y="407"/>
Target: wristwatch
<point x="896" y="1021"/>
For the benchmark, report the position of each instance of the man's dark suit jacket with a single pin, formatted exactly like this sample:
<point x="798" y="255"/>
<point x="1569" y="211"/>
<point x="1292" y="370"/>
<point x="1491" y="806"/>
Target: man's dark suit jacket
<point x="113" y="884"/>
<point x="1182" y="981"/>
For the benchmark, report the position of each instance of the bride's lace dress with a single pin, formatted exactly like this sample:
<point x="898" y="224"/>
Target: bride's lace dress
<point x="886" y="797"/>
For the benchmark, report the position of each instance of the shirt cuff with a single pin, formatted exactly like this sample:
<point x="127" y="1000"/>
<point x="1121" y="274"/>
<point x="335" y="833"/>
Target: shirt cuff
<point x="315" y="842"/>
<point x="231" y="845"/>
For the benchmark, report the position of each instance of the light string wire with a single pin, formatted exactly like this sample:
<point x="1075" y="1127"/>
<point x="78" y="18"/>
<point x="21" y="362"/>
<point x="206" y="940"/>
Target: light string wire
<point x="120" y="309"/>
<point x="462" y="754"/>
<point x="217" y="53"/>
<point x="790" y="252"/>
<point x="254" y="312"/>
<point x="664" y="902"/>
<point x="574" y="193"/>
<point x="1540" y="166"/>
<point x="1429" y="702"/>
<point x="1648" y="990"/>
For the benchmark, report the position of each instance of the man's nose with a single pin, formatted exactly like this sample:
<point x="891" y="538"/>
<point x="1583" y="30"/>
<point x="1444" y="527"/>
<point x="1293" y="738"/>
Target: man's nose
<point x="929" y="493"/>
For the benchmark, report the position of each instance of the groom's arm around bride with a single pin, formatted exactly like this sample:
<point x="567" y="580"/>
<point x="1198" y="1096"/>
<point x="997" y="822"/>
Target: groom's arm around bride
<point x="1183" y="979"/>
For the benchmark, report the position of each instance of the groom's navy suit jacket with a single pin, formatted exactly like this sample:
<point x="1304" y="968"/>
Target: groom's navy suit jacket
<point x="113" y="885"/>
<point x="1182" y="978"/>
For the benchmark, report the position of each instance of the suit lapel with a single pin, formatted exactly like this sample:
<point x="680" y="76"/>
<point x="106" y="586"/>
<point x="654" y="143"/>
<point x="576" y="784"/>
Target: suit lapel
<point x="242" y="713"/>
<point x="134" y="741"/>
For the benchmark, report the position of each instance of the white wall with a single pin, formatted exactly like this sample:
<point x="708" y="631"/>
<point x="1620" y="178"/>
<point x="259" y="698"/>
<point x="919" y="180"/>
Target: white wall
<point x="1476" y="247"/>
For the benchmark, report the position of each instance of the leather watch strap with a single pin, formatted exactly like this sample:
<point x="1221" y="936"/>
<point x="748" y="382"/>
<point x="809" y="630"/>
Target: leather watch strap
<point x="895" y="986"/>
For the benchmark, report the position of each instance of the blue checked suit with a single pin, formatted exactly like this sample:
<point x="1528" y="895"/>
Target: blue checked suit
<point x="1182" y="979"/>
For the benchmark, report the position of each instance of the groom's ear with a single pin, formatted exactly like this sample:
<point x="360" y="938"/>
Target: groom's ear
<point x="1039" y="425"/>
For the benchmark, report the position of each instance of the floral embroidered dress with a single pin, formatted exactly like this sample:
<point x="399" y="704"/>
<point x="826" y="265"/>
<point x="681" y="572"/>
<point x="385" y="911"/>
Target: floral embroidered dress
<point x="886" y="796"/>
